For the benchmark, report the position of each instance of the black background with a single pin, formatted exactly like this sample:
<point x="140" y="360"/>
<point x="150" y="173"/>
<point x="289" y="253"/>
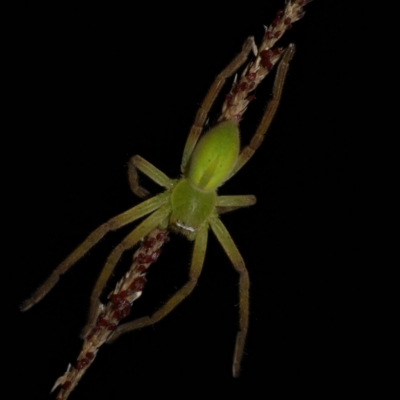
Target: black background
<point x="94" y="86"/>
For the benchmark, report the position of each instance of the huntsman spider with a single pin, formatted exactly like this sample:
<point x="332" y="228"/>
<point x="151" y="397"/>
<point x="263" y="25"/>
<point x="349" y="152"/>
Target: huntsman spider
<point x="189" y="205"/>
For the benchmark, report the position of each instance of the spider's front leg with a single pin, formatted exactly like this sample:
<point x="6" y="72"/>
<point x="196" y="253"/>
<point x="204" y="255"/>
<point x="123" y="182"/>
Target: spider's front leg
<point x="117" y="222"/>
<point x="138" y="163"/>
<point x="134" y="237"/>
<point x="232" y="251"/>
<point x="196" y="266"/>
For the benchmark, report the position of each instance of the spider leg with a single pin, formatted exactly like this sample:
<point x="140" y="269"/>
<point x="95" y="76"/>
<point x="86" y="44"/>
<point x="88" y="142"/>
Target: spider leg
<point x="114" y="223"/>
<point x="134" y="237"/>
<point x="230" y="203"/>
<point x="231" y="250"/>
<point x="258" y="137"/>
<point x="196" y="266"/>
<point x="215" y="88"/>
<point x="138" y="163"/>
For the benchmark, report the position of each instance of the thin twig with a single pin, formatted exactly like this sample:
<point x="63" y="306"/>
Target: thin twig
<point x="266" y="56"/>
<point x="127" y="290"/>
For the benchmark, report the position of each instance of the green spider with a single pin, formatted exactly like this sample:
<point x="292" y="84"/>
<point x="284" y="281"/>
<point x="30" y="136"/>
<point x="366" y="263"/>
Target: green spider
<point x="190" y="205"/>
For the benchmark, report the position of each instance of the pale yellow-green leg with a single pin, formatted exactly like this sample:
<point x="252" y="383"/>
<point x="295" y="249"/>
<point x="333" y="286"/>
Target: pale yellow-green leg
<point x="199" y="251"/>
<point x="231" y="250"/>
<point x="114" y="223"/>
<point x="138" y="163"/>
<point x="258" y="137"/>
<point x="226" y="204"/>
<point x="215" y="88"/>
<point x="134" y="237"/>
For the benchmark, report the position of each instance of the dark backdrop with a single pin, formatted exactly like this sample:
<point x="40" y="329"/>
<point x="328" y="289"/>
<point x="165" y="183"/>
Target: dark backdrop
<point x="95" y="86"/>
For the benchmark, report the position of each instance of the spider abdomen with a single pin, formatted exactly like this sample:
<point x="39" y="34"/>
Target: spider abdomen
<point x="214" y="156"/>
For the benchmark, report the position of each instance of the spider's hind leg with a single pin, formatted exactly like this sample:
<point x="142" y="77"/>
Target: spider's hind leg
<point x="138" y="163"/>
<point x="269" y="113"/>
<point x="208" y="101"/>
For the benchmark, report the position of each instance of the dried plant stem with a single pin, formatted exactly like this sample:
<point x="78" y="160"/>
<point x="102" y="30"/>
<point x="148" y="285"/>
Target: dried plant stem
<point x="127" y="290"/>
<point x="266" y="56"/>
